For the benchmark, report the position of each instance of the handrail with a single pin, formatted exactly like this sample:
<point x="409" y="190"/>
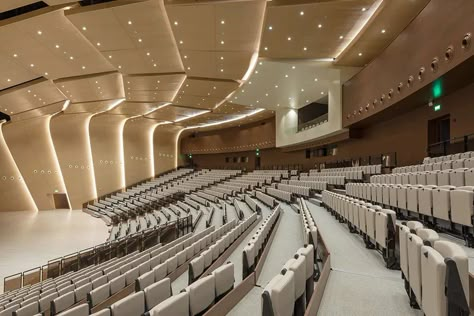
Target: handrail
<point x="443" y="146"/>
<point x="59" y="266"/>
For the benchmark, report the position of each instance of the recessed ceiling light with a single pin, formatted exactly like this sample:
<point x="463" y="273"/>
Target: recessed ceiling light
<point x="302" y="90"/>
<point x="222" y="57"/>
<point x="360" y="54"/>
<point x="45" y="73"/>
<point x="71" y="57"/>
<point x="266" y="94"/>
<point x="320" y="25"/>
<point x="302" y="13"/>
<point x="286" y="76"/>
<point x="110" y="56"/>
<point x="315" y="79"/>
<point x="214" y="88"/>
<point x="222" y="42"/>
<point x="266" y="48"/>
<point x="120" y="67"/>
<point x="189" y="68"/>
<point x="250" y="82"/>
<point x="29" y="91"/>
<point x="383" y="31"/>
<point x="175" y="22"/>
<point x="83" y="67"/>
<point x="341" y="37"/>
<point x="222" y="70"/>
<point x="256" y="71"/>
<point x="39" y="32"/>
<point x="289" y="38"/>
<point x="32" y="65"/>
<point x="98" y="44"/>
<point x="185" y="57"/>
<point x="322" y="92"/>
<point x="140" y="40"/>
<point x="270" y="27"/>
<point x="364" y="9"/>
<point x="276" y="86"/>
<point x="9" y="80"/>
<point x="84" y="28"/>
<point x="293" y="67"/>
<point x="15" y="55"/>
<point x="304" y="48"/>
<point x="278" y="104"/>
<point x="222" y="22"/>
<point x="307" y="101"/>
<point x="181" y="42"/>
<point x="57" y="46"/>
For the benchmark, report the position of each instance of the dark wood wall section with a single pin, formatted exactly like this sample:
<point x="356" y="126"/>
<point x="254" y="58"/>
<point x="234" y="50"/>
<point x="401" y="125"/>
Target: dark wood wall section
<point x="405" y="134"/>
<point x="441" y="25"/>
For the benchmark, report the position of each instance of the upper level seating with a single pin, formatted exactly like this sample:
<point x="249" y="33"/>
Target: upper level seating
<point x="295" y="189"/>
<point x="441" y="206"/>
<point x="453" y="157"/>
<point x="313" y="185"/>
<point x="435" y="271"/>
<point x="456" y="177"/>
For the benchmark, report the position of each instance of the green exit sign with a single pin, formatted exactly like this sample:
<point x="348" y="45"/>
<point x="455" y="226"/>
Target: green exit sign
<point x="437" y="107"/>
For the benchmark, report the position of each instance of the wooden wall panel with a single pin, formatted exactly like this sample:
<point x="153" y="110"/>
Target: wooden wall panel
<point x="14" y="193"/>
<point x="138" y="150"/>
<point x="70" y="133"/>
<point x="105" y="133"/>
<point x="32" y="148"/>
<point x="427" y="37"/>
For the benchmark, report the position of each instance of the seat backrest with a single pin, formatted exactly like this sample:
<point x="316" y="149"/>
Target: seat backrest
<point x="46" y="301"/>
<point x="104" y="312"/>
<point x="160" y="271"/>
<point x="27" y="310"/>
<point x="224" y="279"/>
<point x="62" y="302"/>
<point x="132" y="305"/>
<point x="176" y="305"/>
<point x="201" y="294"/>
<point x="278" y="295"/>
<point x="453" y="251"/>
<point x="80" y="310"/>
<point x="98" y="295"/>
<point x="157" y="293"/>
<point x="433" y="272"/>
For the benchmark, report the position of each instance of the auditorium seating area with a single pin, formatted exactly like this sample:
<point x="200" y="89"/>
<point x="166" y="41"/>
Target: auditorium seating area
<point x="161" y="158"/>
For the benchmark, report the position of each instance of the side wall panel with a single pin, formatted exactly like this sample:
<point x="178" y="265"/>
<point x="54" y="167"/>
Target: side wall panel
<point x="138" y="149"/>
<point x="14" y="193"/>
<point x="164" y="146"/>
<point x="107" y="152"/>
<point x="32" y="148"/>
<point x="70" y="133"/>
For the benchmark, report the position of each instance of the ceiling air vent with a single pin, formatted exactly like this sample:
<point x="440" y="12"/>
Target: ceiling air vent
<point x="22" y="10"/>
<point x="85" y="3"/>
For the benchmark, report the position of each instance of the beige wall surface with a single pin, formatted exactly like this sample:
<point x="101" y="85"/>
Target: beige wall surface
<point x="70" y="133"/>
<point x="138" y="150"/>
<point x="105" y="133"/>
<point x="32" y="148"/>
<point x="14" y="193"/>
<point x="164" y="148"/>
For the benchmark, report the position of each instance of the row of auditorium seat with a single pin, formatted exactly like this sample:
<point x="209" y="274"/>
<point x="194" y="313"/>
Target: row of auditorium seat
<point x="198" y="265"/>
<point x="456" y="177"/>
<point x="76" y="286"/>
<point x="318" y="186"/>
<point x="334" y="180"/>
<point x="442" y="165"/>
<point x="279" y="194"/>
<point x="265" y="199"/>
<point x="158" y="299"/>
<point x="435" y="271"/>
<point x="295" y="189"/>
<point x="254" y="248"/>
<point x="350" y="175"/>
<point x="289" y="292"/>
<point x="441" y="206"/>
<point x="375" y="224"/>
<point x="309" y="226"/>
<point x="251" y="203"/>
<point x="158" y="269"/>
<point x="464" y="155"/>
<point x="369" y="169"/>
